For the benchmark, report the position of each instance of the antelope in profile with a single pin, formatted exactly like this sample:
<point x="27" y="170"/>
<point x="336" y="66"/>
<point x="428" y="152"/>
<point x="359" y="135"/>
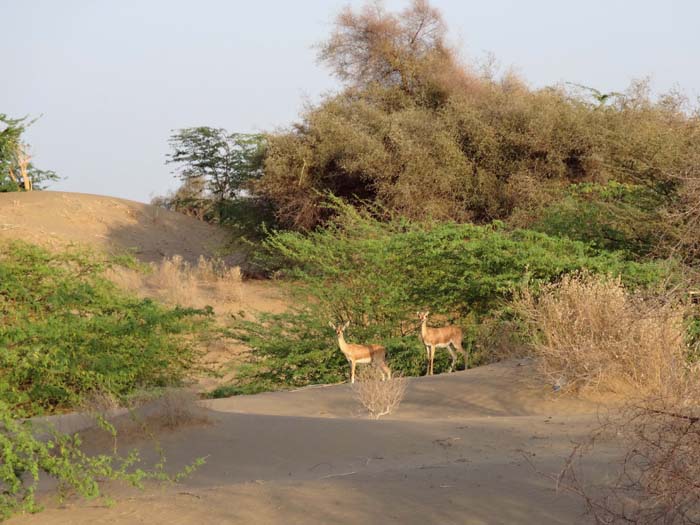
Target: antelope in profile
<point x="362" y="354"/>
<point x="440" y="338"/>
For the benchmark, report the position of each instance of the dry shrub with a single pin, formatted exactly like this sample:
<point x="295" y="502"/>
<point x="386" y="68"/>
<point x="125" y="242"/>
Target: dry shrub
<point x="177" y="407"/>
<point x="592" y="333"/>
<point x="656" y="478"/>
<point x="183" y="283"/>
<point x="125" y="278"/>
<point x="379" y="397"/>
<point x="176" y="281"/>
<point x="413" y="115"/>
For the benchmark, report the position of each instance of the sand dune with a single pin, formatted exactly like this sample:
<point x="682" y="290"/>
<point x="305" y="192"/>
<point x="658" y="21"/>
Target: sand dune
<point x="56" y="219"/>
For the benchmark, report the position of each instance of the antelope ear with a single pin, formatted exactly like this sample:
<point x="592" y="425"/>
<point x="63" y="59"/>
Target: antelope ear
<point x="346" y="324"/>
<point x="331" y="324"/>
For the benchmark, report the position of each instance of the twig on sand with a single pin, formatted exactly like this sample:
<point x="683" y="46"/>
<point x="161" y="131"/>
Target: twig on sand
<point x="339" y="475"/>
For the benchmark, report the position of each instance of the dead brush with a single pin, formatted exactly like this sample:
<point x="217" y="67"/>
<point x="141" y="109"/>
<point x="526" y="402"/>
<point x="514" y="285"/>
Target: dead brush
<point x="592" y="333"/>
<point x="656" y="476"/>
<point x="177" y="407"/>
<point x="176" y="281"/>
<point x="379" y="397"/>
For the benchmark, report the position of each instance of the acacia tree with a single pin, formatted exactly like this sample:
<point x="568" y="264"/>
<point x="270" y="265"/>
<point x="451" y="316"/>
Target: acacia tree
<point x="17" y="172"/>
<point x="217" y="163"/>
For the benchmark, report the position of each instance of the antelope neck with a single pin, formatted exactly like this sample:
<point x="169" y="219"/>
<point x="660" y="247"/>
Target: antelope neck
<point x="342" y="343"/>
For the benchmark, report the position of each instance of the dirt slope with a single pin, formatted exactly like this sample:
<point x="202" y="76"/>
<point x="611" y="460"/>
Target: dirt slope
<point x="56" y="219"/>
<point x="453" y="453"/>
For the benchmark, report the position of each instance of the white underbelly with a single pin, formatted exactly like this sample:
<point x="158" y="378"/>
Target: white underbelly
<point x="364" y="360"/>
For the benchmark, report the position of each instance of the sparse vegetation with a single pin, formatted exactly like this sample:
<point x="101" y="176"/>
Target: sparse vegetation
<point x="379" y="397"/>
<point x="177" y="282"/>
<point x="592" y="333"/>
<point x="655" y="479"/>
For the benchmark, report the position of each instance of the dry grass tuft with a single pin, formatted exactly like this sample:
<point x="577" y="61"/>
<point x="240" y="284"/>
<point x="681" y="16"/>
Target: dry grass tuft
<point x="377" y="396"/>
<point x="177" y="407"/>
<point x="592" y="333"/>
<point x="177" y="282"/>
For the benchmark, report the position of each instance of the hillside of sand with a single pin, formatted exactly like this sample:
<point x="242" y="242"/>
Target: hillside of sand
<point x="57" y="219"/>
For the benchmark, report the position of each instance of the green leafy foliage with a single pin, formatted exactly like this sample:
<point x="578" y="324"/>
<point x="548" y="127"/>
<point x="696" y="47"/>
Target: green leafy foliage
<point x="216" y="168"/>
<point x="25" y="457"/>
<point x="11" y="131"/>
<point x="66" y="332"/>
<point x="378" y="274"/>
<point x="610" y="216"/>
<point x="221" y="162"/>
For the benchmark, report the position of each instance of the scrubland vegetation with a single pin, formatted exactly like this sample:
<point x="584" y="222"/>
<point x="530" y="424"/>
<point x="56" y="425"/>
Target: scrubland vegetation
<point x="68" y="336"/>
<point x="559" y="223"/>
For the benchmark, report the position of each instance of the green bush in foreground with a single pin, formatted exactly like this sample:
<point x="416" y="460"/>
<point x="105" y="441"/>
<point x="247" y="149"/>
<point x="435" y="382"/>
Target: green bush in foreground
<point x="379" y="274"/>
<point x="25" y="458"/>
<point x="67" y="332"/>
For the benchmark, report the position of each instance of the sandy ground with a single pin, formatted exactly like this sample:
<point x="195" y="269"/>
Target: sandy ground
<point x="56" y="219"/>
<point x="452" y="453"/>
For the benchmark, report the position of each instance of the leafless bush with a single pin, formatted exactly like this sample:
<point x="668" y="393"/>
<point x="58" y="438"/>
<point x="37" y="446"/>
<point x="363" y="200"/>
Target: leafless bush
<point x="177" y="407"/>
<point x="175" y="280"/>
<point x="377" y="396"/>
<point x="591" y="333"/>
<point x="656" y="480"/>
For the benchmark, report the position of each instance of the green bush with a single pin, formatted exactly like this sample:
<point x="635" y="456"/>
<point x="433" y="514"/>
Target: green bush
<point x="25" y="457"/>
<point x="378" y="274"/>
<point x="610" y="216"/>
<point x="67" y="332"/>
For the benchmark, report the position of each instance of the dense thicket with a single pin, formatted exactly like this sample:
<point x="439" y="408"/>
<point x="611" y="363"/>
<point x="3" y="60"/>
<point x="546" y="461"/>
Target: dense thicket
<point x="379" y="273"/>
<point x="67" y="333"/>
<point x="424" y="135"/>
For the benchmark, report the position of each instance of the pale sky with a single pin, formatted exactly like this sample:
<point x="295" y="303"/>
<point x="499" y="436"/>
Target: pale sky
<point x="111" y="79"/>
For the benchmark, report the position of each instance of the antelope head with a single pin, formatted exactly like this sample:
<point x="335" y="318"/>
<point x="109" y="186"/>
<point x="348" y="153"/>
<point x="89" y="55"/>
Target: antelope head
<point x="423" y="315"/>
<point x="339" y="329"/>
